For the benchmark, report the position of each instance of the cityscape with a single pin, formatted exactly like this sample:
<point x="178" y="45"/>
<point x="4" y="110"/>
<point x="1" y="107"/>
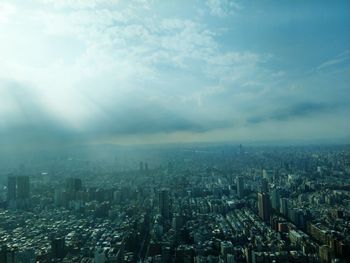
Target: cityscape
<point x="225" y="203"/>
<point x="174" y="131"/>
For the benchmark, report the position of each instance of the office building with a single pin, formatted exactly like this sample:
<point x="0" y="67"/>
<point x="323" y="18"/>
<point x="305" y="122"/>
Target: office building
<point x="264" y="206"/>
<point x="240" y="187"/>
<point x="275" y="199"/>
<point x="73" y="184"/>
<point x="23" y="191"/>
<point x="58" y="248"/>
<point x="164" y="208"/>
<point x="264" y="185"/>
<point x="284" y="206"/>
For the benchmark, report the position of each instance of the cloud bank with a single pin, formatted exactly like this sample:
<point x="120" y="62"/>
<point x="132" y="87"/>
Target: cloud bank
<point x="154" y="71"/>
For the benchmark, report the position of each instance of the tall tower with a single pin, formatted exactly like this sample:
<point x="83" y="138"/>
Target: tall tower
<point x="264" y="185"/>
<point x="264" y="206"/>
<point x="240" y="187"/>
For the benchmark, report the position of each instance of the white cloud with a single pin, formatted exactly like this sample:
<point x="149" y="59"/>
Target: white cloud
<point x="125" y="54"/>
<point x="77" y="4"/>
<point x="223" y="8"/>
<point x="344" y="56"/>
<point x="95" y="60"/>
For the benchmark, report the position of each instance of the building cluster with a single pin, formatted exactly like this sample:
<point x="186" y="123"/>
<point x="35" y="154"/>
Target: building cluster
<point x="220" y="205"/>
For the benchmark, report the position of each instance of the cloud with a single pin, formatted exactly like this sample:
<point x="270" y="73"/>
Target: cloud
<point x="145" y="120"/>
<point x="223" y="8"/>
<point x="160" y="58"/>
<point x="298" y="110"/>
<point x="27" y="124"/>
<point x="340" y="59"/>
<point x="99" y="69"/>
<point x="25" y="121"/>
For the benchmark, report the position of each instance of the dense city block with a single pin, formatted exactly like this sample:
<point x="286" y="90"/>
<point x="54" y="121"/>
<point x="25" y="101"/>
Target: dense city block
<point x="187" y="203"/>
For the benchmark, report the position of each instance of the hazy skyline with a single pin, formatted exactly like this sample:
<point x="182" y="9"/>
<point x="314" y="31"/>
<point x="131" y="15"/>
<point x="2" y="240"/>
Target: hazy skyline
<point x="141" y="71"/>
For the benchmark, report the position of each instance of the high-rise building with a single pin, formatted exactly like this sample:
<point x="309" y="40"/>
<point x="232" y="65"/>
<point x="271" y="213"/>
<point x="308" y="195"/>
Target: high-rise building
<point x="58" y="247"/>
<point x="23" y="191"/>
<point x="3" y="254"/>
<point x="240" y="187"/>
<point x="275" y="199"/>
<point x="325" y="253"/>
<point x="284" y="206"/>
<point x="241" y="151"/>
<point x="164" y="208"/>
<point x="73" y="184"/>
<point x="11" y="188"/>
<point x="18" y="191"/>
<point x="264" y="185"/>
<point x="141" y="166"/>
<point x="264" y="206"/>
<point x="73" y="187"/>
<point x="264" y="174"/>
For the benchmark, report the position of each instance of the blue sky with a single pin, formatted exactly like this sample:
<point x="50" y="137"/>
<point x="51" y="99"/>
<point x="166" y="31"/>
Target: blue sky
<point x="141" y="71"/>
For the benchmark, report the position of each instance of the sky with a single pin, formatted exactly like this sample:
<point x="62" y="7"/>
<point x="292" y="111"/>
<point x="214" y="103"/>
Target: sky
<point x="148" y="71"/>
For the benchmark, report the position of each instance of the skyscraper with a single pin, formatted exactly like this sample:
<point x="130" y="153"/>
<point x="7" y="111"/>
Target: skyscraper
<point x="18" y="191"/>
<point x="275" y="199"/>
<point x="264" y="185"/>
<point x="240" y="187"/>
<point x="264" y="206"/>
<point x="284" y="206"/>
<point x="164" y="208"/>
